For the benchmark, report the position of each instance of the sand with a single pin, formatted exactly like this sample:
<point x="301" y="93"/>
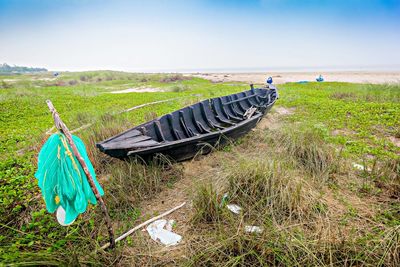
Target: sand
<point x="284" y="77"/>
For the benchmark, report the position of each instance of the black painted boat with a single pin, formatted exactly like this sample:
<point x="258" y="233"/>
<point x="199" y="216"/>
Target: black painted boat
<point x="195" y="129"/>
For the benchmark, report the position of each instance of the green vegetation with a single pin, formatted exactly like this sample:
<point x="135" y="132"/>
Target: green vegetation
<point x="362" y="117"/>
<point x="25" y="119"/>
<point x="294" y="178"/>
<point x="298" y="194"/>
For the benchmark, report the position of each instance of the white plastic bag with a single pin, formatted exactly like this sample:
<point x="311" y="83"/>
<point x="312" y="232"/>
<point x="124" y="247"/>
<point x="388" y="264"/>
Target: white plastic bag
<point x="158" y="233"/>
<point x="234" y="208"/>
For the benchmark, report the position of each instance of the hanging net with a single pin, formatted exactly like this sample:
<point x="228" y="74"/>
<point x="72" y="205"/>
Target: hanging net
<point x="61" y="177"/>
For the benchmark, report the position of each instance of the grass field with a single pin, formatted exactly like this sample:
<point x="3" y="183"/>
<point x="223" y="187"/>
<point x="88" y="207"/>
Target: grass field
<point x="293" y="175"/>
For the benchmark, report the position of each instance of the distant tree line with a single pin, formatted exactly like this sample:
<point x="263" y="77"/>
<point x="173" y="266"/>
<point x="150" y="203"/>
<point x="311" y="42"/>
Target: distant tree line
<point x="5" y="68"/>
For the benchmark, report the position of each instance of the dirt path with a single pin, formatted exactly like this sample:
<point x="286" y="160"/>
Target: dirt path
<point x="195" y="173"/>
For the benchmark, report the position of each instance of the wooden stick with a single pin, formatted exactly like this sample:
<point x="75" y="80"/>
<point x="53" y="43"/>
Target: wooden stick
<point x="63" y="128"/>
<point x="144" y="224"/>
<point x="50" y="131"/>
<point x="82" y="127"/>
<point x="152" y="103"/>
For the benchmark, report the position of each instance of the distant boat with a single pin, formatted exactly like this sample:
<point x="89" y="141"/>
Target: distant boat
<point x="319" y="78"/>
<point x="195" y="129"/>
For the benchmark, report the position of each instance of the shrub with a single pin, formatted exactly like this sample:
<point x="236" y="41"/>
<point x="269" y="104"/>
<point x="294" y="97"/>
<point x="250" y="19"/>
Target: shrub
<point x="73" y="82"/>
<point x="173" y="78"/>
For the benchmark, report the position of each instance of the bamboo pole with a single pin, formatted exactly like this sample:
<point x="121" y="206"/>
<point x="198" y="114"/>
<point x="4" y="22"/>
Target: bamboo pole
<point x="144" y="224"/>
<point x="60" y="125"/>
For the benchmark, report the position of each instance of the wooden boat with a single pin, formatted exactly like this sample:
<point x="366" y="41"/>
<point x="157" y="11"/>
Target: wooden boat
<point x="195" y="129"/>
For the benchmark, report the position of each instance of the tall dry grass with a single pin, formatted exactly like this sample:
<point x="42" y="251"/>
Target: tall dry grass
<point x="284" y="185"/>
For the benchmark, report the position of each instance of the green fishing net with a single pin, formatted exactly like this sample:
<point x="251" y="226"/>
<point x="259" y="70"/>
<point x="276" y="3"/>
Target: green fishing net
<point x="62" y="179"/>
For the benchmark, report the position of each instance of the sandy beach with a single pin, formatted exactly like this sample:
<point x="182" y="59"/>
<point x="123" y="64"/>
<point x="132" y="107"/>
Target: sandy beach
<point x="284" y="77"/>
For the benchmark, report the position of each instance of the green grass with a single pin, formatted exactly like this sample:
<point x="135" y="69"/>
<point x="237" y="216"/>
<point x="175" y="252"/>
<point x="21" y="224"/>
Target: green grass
<point x="290" y="179"/>
<point x="24" y="120"/>
<point x="367" y="118"/>
<point x="308" y="216"/>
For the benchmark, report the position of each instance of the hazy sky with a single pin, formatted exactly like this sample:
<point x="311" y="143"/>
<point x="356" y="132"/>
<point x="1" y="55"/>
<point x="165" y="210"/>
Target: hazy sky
<point x="200" y="35"/>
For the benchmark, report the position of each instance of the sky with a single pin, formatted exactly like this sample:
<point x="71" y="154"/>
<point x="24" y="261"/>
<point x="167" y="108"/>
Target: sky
<point x="201" y="35"/>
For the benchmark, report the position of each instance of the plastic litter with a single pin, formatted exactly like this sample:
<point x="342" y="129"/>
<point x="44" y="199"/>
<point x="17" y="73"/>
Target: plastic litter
<point x="361" y="167"/>
<point x="170" y="225"/>
<point x="158" y="233"/>
<point x="253" y="229"/>
<point x="234" y="208"/>
<point x="62" y="179"/>
<point x="60" y="214"/>
<point x="224" y="200"/>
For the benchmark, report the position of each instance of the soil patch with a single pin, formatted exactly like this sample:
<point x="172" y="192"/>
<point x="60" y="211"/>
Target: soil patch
<point x="395" y="140"/>
<point x="197" y="171"/>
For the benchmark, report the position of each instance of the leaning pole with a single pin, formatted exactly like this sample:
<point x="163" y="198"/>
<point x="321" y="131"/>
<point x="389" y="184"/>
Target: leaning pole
<point x="60" y="125"/>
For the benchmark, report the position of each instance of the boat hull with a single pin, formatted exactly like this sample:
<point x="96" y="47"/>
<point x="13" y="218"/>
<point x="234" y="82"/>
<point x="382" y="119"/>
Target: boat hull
<point x="228" y="111"/>
<point x="198" y="146"/>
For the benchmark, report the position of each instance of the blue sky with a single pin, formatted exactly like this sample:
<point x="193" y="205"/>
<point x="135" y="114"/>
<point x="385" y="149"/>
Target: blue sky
<point x="163" y="35"/>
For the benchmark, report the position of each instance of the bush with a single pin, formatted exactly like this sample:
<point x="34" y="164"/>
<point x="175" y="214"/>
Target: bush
<point x="173" y="78"/>
<point x="73" y="82"/>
